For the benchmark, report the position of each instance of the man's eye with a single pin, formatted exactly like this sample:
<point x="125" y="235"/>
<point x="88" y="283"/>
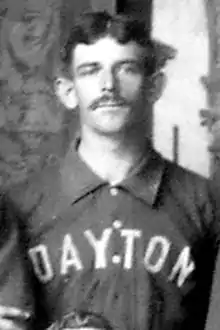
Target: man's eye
<point x="88" y="71"/>
<point x="130" y="68"/>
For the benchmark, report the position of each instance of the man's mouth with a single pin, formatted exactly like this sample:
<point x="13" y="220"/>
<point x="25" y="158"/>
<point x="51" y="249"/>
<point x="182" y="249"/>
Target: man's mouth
<point x="110" y="105"/>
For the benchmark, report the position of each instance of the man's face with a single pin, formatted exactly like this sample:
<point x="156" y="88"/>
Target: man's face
<point x="109" y="84"/>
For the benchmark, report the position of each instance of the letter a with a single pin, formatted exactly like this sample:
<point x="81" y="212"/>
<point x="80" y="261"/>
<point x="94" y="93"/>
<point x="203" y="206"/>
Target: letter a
<point x="70" y="256"/>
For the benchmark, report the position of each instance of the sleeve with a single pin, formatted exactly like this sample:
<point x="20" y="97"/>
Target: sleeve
<point x="214" y="211"/>
<point x="14" y="285"/>
<point x="207" y="202"/>
<point x="213" y="316"/>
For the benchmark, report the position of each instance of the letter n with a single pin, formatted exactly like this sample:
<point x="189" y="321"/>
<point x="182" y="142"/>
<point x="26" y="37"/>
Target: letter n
<point x="184" y="267"/>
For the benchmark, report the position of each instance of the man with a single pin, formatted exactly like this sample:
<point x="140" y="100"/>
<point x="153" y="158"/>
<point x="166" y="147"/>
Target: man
<point x="112" y="227"/>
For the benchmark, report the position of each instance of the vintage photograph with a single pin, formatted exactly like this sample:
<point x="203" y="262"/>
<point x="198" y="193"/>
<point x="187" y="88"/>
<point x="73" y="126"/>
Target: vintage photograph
<point x="109" y="164"/>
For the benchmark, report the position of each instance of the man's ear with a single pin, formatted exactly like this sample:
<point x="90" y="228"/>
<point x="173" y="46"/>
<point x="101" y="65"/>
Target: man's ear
<point x="65" y="91"/>
<point x="156" y="86"/>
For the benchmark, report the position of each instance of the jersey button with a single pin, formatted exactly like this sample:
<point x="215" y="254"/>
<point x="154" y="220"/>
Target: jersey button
<point x="114" y="191"/>
<point x="116" y="259"/>
<point x="117" y="224"/>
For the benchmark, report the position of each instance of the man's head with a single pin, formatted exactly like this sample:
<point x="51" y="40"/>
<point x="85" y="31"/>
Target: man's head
<point x="108" y="62"/>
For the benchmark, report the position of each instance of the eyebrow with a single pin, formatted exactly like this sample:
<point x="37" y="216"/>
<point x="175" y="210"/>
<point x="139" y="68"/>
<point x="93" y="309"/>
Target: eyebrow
<point x="126" y="61"/>
<point x="129" y="61"/>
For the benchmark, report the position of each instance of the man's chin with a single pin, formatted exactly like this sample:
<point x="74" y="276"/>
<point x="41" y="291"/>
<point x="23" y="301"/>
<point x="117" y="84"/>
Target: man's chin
<point x="112" y="121"/>
<point x="113" y="131"/>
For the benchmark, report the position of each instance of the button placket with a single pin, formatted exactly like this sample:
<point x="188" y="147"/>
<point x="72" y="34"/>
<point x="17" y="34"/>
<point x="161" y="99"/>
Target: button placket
<point x="117" y="255"/>
<point x="117" y="251"/>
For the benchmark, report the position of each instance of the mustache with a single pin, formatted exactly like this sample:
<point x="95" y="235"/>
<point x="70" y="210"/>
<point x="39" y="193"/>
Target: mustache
<point x="106" y="98"/>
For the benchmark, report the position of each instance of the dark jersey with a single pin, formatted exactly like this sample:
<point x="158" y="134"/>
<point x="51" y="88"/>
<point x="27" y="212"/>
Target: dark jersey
<point x="140" y="253"/>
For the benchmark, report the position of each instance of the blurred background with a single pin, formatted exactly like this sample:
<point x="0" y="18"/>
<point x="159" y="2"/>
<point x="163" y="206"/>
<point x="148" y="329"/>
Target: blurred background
<point x="34" y="125"/>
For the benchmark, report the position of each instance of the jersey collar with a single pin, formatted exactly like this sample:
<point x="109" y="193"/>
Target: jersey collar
<point x="78" y="180"/>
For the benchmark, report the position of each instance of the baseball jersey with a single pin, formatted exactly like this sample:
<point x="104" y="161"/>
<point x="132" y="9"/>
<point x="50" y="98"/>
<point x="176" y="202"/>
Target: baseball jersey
<point x="140" y="253"/>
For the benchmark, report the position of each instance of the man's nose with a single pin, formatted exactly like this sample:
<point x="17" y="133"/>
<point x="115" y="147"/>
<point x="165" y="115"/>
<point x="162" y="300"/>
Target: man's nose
<point x="108" y="81"/>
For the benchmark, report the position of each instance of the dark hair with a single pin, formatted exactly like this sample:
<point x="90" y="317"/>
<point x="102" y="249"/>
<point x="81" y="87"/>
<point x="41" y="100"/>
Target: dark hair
<point x="91" y="26"/>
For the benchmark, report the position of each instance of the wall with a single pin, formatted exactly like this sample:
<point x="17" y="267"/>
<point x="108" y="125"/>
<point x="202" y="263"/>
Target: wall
<point x="183" y="24"/>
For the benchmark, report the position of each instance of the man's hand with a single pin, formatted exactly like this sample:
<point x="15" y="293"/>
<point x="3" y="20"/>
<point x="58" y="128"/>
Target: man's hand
<point x="12" y="318"/>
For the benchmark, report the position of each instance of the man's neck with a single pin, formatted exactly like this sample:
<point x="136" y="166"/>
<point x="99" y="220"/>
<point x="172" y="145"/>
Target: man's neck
<point x="113" y="158"/>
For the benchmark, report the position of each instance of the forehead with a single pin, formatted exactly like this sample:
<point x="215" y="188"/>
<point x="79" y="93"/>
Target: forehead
<point x="107" y="50"/>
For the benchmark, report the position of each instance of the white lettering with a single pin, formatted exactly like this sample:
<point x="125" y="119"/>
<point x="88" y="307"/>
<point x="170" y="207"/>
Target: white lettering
<point x="70" y="256"/>
<point x="41" y="262"/>
<point x="99" y="246"/>
<point x="156" y="242"/>
<point x="184" y="266"/>
<point x="130" y="235"/>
